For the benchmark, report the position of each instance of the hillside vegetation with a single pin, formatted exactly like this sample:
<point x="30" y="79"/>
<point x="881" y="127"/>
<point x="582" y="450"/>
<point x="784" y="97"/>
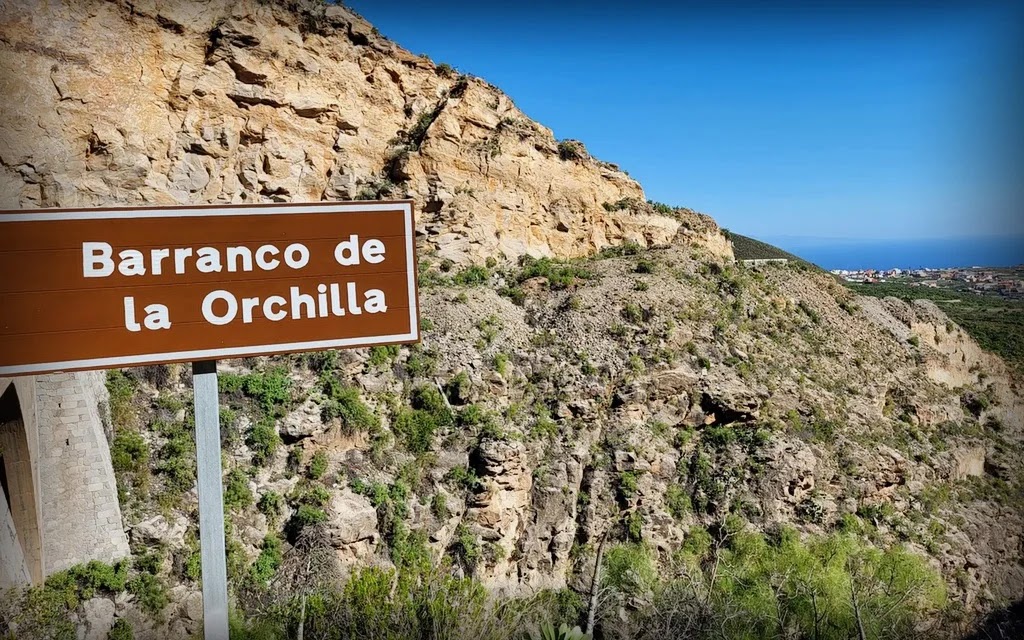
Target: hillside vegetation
<point x="746" y="248"/>
<point x="679" y="417"/>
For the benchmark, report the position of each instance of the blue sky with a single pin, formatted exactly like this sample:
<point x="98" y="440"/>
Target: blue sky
<point x="784" y="120"/>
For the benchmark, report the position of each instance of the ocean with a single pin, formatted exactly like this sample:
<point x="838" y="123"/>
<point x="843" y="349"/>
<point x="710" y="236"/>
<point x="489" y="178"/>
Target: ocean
<point x="831" y="253"/>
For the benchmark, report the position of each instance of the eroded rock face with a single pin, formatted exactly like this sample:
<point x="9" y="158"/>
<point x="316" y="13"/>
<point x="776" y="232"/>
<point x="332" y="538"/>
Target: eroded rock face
<point x="160" y="530"/>
<point x="97" y="617"/>
<point x="351" y="526"/>
<point x="236" y="102"/>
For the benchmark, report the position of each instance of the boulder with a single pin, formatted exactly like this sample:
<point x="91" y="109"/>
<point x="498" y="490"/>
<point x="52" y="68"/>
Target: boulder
<point x="968" y="462"/>
<point x="96" y="618"/>
<point x="192" y="606"/>
<point x="160" y="530"/>
<point x="351" y="519"/>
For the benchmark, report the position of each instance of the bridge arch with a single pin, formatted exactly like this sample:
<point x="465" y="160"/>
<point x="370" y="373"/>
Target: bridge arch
<point x="21" y="542"/>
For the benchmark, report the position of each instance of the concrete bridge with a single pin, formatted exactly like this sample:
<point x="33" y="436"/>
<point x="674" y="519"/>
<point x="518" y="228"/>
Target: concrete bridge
<point x="60" y="503"/>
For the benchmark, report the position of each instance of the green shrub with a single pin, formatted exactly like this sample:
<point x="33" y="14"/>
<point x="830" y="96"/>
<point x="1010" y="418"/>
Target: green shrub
<point x="304" y="516"/>
<point x="632" y="312"/>
<point x="439" y="506"/>
<point x="428" y="398"/>
<point x="382" y="356"/>
<point x="194" y="566"/>
<point x="121" y="630"/>
<point x="271" y="390"/>
<point x="570" y="150"/>
<point x="515" y="294"/>
<point x="457" y="389"/>
<point x="635" y="526"/>
<point x="420" y="363"/>
<point x="466" y="548"/>
<point x="627" y="484"/>
<point x="266" y="564"/>
<point x="544" y="428"/>
<point x="501" y="361"/>
<point x="318" y="361"/>
<point x="807" y="309"/>
<point x="697" y="543"/>
<point x="129" y="452"/>
<point x="463" y="477"/>
<point x="317" y="465"/>
<point x="315" y="496"/>
<point x="271" y="504"/>
<point x="417" y="426"/>
<point x="472" y="275"/>
<point x="263" y="441"/>
<point x="96" y="576"/>
<point x="228" y="382"/>
<point x="677" y="502"/>
<point x="150" y="592"/>
<point x="121" y="387"/>
<point x="471" y="415"/>
<point x="178" y="459"/>
<point x="662" y="208"/>
<point x="149" y="562"/>
<point x="643" y="265"/>
<point x="344" y="403"/>
<point x="559" y="274"/>
<point x="720" y="436"/>
<point x="416" y="429"/>
<point x="629" y="568"/>
<point x="810" y="510"/>
<point x="237" y="494"/>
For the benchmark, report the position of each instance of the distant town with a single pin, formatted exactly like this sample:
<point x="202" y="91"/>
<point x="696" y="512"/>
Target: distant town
<point x="1004" y="282"/>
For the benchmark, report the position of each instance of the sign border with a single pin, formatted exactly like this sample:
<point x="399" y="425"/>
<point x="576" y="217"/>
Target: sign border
<point x="189" y="211"/>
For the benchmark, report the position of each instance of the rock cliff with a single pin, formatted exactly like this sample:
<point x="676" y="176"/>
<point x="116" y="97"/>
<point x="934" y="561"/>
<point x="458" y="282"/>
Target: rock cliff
<point x="180" y="102"/>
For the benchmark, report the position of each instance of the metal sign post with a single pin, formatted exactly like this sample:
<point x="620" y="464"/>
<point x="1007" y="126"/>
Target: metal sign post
<point x="211" y="500"/>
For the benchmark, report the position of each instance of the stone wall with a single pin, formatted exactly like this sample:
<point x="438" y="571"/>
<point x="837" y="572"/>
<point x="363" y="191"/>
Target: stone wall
<point x="71" y="513"/>
<point x="81" y="515"/>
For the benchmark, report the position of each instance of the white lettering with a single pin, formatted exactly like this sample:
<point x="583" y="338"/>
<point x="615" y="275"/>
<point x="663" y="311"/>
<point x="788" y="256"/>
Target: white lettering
<point x="248" y="304"/>
<point x="157" y="317"/>
<point x="336" y="301"/>
<point x="208" y="260"/>
<point x="373" y="251"/>
<point x="179" y="259"/>
<point x="96" y="262"/>
<point x="234" y="253"/>
<point x="346" y="253"/>
<point x="303" y="299"/>
<point x="212" y="297"/>
<point x="375" y="302"/>
<point x="268" y="308"/>
<point x="157" y="256"/>
<point x="130" y="322"/>
<point x="261" y="257"/>
<point x="321" y="298"/>
<point x="353" y="302"/>
<point x="132" y="263"/>
<point x="291" y="260"/>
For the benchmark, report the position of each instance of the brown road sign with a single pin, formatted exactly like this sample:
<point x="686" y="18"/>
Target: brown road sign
<point x="96" y="288"/>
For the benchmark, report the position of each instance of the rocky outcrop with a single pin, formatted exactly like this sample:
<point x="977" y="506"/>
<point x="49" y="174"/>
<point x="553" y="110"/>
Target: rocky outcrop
<point x="160" y="530"/>
<point x="248" y="101"/>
